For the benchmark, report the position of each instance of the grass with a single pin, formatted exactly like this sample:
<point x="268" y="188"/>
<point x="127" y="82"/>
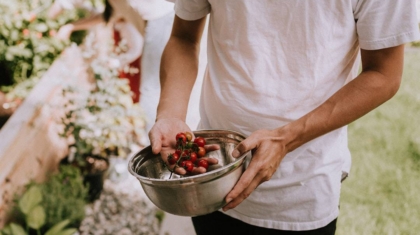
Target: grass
<point x="382" y="194"/>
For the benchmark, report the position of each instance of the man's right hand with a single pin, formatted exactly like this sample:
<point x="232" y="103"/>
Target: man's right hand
<point x="163" y="141"/>
<point x="162" y="135"/>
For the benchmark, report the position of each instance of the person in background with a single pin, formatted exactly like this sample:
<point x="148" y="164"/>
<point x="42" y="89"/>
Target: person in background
<point x="130" y="44"/>
<point x="153" y="19"/>
<point x="286" y="74"/>
<point x="58" y="6"/>
<point x="128" y="31"/>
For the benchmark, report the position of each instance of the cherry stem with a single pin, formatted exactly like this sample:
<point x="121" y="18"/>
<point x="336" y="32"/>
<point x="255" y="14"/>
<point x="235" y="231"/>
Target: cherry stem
<point x="176" y="164"/>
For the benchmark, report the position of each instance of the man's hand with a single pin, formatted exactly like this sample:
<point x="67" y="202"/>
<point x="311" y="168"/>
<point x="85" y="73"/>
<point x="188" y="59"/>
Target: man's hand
<point x="163" y="141"/>
<point x="268" y="149"/>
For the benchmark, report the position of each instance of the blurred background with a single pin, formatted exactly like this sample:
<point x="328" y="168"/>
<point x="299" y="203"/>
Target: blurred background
<point x="78" y="92"/>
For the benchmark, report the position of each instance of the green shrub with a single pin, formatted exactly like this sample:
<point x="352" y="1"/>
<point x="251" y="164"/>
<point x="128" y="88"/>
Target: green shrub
<point x="64" y="197"/>
<point x="27" y="43"/>
<point x="50" y="207"/>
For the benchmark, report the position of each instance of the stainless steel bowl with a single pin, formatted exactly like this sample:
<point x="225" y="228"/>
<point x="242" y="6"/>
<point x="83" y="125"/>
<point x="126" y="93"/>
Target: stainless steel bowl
<point x="191" y="195"/>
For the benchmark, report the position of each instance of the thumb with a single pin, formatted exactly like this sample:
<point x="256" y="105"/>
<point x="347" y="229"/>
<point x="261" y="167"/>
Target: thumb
<point x="243" y="147"/>
<point x="155" y="142"/>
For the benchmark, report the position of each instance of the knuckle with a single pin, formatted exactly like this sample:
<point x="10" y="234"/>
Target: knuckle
<point x="243" y="184"/>
<point x="265" y="178"/>
<point x="246" y="195"/>
<point x="265" y="175"/>
<point x="242" y="147"/>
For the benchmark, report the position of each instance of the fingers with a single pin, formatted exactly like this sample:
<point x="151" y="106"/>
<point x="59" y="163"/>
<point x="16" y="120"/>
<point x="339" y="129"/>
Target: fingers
<point x="235" y="201"/>
<point x="211" y="147"/>
<point x="196" y="170"/>
<point x="155" y="141"/>
<point x="180" y="171"/>
<point x="199" y="170"/>
<point x="245" y="146"/>
<point x="211" y="161"/>
<point x="248" y="182"/>
<point x="268" y="152"/>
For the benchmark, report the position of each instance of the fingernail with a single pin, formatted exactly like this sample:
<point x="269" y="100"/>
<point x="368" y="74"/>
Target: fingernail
<point x="235" y="153"/>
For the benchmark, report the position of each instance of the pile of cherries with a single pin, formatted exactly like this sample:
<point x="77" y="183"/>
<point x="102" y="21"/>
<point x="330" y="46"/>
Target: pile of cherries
<point x="189" y="153"/>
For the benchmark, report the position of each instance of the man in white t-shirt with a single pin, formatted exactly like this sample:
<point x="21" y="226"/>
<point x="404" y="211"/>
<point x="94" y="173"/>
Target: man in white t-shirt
<point x="285" y="73"/>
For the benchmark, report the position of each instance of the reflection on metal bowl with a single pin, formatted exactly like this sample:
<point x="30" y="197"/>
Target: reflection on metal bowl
<point x="197" y="194"/>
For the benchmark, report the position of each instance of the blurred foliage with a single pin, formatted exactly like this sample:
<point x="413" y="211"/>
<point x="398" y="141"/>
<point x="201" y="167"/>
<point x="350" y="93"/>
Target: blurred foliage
<point x="65" y="197"/>
<point x="103" y="120"/>
<point x="381" y="195"/>
<point x="51" y="207"/>
<point x="415" y="43"/>
<point x="27" y="43"/>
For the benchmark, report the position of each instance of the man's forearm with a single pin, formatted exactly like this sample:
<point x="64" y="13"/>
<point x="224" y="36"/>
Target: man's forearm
<point x="179" y="68"/>
<point x="371" y="88"/>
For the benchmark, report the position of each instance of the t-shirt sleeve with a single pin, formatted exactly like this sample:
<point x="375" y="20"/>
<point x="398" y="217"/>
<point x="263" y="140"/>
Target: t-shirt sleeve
<point x="386" y="23"/>
<point x="192" y="9"/>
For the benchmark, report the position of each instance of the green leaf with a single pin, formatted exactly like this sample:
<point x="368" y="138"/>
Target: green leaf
<point x="56" y="229"/>
<point x="17" y="229"/>
<point x="69" y="231"/>
<point x="6" y="231"/>
<point x="31" y="198"/>
<point x="36" y="217"/>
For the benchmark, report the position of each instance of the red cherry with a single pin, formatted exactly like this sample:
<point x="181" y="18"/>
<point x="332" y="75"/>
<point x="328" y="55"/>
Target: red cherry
<point x="173" y="158"/>
<point x="193" y="157"/>
<point x="203" y="163"/>
<point x="187" y="165"/>
<point x="188" y="135"/>
<point x="200" y="141"/>
<point x="201" y="152"/>
<point x="181" y="137"/>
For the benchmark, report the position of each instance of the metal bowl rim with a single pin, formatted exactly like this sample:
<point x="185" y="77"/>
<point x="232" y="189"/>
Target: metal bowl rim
<point x="190" y="179"/>
<point x="200" y="178"/>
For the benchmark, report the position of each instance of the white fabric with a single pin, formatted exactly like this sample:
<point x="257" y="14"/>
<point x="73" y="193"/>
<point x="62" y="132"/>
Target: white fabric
<point x="418" y="9"/>
<point x="138" y="11"/>
<point x="134" y="39"/>
<point x="152" y="9"/>
<point x="156" y="37"/>
<point x="271" y="62"/>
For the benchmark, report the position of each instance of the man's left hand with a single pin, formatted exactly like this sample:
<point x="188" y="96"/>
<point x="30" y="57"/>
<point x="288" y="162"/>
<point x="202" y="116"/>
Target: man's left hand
<point x="268" y="150"/>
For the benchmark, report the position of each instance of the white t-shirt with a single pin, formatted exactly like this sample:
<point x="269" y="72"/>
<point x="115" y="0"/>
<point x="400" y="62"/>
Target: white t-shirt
<point x="271" y="62"/>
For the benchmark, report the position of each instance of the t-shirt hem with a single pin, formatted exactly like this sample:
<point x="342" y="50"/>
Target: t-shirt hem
<point x="390" y="41"/>
<point x="282" y="225"/>
<point x="186" y="15"/>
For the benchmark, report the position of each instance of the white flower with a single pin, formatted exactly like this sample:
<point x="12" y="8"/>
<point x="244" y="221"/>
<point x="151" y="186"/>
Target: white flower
<point x="114" y="63"/>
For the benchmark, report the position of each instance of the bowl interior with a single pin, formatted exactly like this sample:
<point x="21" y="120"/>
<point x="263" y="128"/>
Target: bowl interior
<point x="150" y="166"/>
